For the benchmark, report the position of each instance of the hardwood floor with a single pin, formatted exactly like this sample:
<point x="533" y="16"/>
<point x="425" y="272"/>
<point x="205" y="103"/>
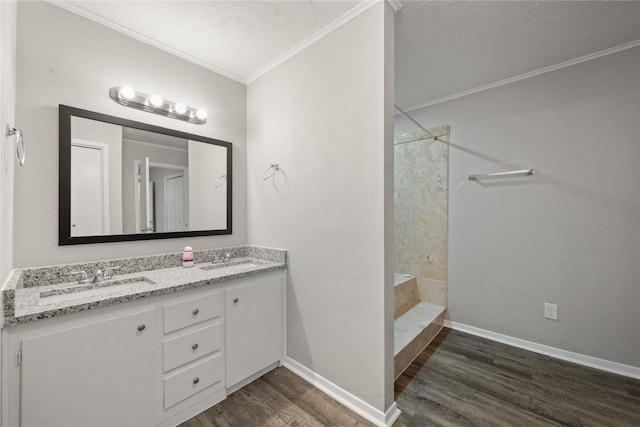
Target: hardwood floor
<point x="459" y="380"/>
<point x="279" y="398"/>
<point x="464" y="380"/>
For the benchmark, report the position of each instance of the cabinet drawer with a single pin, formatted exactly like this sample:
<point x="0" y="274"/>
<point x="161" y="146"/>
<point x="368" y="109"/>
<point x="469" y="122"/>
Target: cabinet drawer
<point x="191" y="346"/>
<point x="186" y="383"/>
<point x="191" y="312"/>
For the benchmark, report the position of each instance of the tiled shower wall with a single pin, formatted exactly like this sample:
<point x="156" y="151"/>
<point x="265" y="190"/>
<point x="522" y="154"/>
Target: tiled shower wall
<point x="421" y="176"/>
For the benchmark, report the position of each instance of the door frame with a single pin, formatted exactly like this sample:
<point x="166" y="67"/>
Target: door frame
<point x="104" y="154"/>
<point x="185" y="189"/>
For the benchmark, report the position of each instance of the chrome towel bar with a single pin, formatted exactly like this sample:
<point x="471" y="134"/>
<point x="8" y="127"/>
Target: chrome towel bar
<point x="522" y="172"/>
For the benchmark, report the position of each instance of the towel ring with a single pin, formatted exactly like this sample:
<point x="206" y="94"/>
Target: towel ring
<point x="221" y="180"/>
<point x="273" y="168"/>
<point x="20" y="150"/>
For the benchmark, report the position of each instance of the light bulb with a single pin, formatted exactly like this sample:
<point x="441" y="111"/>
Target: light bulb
<point x="127" y="92"/>
<point x="156" y="100"/>
<point x="180" y="108"/>
<point x="201" y="114"/>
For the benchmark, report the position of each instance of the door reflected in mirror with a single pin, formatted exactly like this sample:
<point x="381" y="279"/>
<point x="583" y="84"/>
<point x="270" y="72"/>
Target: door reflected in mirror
<point x="124" y="180"/>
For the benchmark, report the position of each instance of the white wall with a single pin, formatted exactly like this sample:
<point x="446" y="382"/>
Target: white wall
<point x="7" y="116"/>
<point x="321" y="116"/>
<point x="569" y="235"/>
<point x="67" y="59"/>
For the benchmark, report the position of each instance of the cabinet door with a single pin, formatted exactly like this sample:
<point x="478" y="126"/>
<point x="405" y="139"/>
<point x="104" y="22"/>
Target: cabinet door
<point x="99" y="374"/>
<point x="253" y="316"/>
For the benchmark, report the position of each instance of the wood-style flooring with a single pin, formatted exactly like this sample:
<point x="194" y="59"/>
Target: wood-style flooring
<point x="464" y="380"/>
<point x="279" y="398"/>
<point x="459" y="380"/>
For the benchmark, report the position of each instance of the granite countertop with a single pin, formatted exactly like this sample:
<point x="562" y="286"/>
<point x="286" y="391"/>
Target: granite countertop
<point x="34" y="294"/>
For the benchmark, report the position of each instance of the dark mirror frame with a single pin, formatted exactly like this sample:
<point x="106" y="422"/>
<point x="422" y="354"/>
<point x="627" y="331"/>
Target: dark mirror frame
<point x="64" y="183"/>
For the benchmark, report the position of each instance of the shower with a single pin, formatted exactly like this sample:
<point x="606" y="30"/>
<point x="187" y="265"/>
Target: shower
<point x="421" y="241"/>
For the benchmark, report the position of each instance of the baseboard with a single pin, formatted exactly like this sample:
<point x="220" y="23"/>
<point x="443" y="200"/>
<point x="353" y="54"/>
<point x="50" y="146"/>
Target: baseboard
<point x="352" y="402"/>
<point x="569" y="356"/>
<point x="252" y="378"/>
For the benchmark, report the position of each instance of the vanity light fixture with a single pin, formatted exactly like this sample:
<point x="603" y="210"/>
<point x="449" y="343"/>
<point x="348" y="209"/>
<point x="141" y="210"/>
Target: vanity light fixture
<point x="201" y="114"/>
<point x="156" y="100"/>
<point x="179" y="108"/>
<point x="156" y="104"/>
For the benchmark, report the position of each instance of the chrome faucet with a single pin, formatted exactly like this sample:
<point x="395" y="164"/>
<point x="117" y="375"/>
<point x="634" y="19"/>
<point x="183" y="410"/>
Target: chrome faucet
<point x="106" y="275"/>
<point x="109" y="272"/>
<point x="97" y="277"/>
<point x="82" y="276"/>
<point x="217" y="259"/>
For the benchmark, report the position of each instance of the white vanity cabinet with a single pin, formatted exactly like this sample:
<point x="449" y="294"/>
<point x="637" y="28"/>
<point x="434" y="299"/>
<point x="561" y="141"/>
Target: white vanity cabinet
<point x="254" y="327"/>
<point x="154" y="361"/>
<point x="96" y="374"/>
<point x="192" y="354"/>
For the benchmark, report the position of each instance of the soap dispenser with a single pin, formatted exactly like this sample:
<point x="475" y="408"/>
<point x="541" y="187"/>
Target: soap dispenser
<point x="187" y="257"/>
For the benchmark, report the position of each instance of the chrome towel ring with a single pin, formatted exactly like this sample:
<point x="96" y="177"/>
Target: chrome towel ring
<point x="20" y="150"/>
<point x="221" y="180"/>
<point x="273" y="168"/>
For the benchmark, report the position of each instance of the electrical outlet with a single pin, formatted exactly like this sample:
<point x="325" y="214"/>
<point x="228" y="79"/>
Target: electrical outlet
<point x="551" y="311"/>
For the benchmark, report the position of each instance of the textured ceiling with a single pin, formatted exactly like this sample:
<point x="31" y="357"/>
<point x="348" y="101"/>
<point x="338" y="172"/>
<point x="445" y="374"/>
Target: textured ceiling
<point x="442" y="47"/>
<point x="235" y="38"/>
<point x="447" y="47"/>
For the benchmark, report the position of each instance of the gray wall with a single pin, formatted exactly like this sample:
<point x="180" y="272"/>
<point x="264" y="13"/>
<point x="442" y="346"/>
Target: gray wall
<point x="569" y="235"/>
<point x="67" y="59"/>
<point x="321" y="116"/>
<point x="207" y="203"/>
<point x="7" y="116"/>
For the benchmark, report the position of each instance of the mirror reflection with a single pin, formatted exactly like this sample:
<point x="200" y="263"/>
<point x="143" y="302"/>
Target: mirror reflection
<point x="132" y="181"/>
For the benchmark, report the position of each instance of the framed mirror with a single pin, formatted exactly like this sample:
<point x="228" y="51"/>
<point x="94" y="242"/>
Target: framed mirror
<point x="121" y="180"/>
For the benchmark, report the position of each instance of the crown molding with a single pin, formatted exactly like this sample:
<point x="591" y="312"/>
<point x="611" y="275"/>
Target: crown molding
<point x="524" y="76"/>
<point x="144" y="39"/>
<point x="395" y="4"/>
<point x="357" y="10"/>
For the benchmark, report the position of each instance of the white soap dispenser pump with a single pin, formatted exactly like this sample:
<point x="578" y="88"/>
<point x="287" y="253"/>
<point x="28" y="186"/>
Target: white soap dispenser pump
<point x="187" y="257"/>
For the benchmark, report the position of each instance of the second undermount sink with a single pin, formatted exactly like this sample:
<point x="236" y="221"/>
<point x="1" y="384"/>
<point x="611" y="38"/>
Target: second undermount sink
<point x="91" y="289"/>
<point x="237" y="265"/>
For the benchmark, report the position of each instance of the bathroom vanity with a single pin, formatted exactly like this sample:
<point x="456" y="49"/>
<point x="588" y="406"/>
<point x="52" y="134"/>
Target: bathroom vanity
<point x="146" y="348"/>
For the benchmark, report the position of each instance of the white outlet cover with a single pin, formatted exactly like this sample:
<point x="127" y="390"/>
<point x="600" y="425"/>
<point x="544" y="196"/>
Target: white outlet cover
<point x="551" y="311"/>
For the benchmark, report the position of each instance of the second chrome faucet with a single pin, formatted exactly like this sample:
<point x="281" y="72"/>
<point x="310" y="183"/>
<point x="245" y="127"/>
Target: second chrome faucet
<point x="217" y="260"/>
<point x="99" y="275"/>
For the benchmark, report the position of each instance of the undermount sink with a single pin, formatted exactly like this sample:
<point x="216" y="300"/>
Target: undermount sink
<point x="234" y="266"/>
<point x="91" y="289"/>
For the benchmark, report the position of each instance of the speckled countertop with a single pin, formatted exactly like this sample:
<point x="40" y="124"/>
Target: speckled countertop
<point x="41" y="293"/>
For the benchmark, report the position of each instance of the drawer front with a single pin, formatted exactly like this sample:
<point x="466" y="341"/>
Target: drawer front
<point x="186" y="383"/>
<point x="191" y="312"/>
<point x="189" y="347"/>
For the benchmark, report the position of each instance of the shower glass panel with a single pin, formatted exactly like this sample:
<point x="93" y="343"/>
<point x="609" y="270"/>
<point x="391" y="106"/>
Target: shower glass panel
<point x="421" y="208"/>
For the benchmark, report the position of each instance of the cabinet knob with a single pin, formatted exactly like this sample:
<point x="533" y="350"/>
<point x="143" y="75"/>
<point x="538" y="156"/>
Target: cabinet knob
<point x="235" y="300"/>
<point x="141" y="327"/>
<point x="195" y="312"/>
<point x="195" y="346"/>
<point x="196" y="380"/>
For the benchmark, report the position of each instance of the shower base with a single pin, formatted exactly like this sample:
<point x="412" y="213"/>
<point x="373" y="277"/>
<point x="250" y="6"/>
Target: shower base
<point x="416" y="322"/>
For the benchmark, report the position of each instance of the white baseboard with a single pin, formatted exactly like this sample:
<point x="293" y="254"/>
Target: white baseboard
<point x="569" y="356"/>
<point x="352" y="402"/>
